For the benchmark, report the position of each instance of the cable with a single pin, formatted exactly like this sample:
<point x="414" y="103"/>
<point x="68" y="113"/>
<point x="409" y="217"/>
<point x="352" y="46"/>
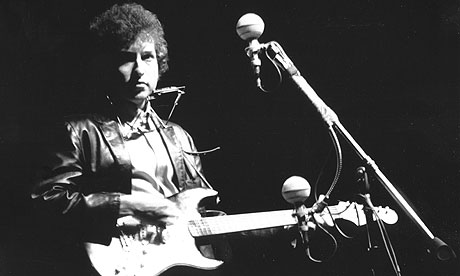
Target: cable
<point x="335" y="246"/>
<point x="336" y="226"/>
<point x="339" y="159"/>
<point x="278" y="71"/>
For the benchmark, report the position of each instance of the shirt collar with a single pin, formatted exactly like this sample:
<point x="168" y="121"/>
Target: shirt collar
<point x="143" y="122"/>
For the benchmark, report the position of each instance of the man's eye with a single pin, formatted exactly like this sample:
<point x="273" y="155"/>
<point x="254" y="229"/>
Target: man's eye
<point x="148" y="57"/>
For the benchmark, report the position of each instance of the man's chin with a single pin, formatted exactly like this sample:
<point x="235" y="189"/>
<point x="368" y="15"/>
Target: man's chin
<point x="137" y="98"/>
<point x="141" y="97"/>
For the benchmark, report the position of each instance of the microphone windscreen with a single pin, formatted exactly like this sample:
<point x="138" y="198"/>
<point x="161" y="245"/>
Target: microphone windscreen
<point x="250" y="26"/>
<point x="296" y="190"/>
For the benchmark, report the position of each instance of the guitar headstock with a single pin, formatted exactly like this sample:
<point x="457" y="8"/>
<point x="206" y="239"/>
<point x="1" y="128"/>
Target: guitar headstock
<point x="354" y="212"/>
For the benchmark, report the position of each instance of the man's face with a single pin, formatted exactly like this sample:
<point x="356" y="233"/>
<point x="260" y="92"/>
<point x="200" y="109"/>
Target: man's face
<point x="137" y="72"/>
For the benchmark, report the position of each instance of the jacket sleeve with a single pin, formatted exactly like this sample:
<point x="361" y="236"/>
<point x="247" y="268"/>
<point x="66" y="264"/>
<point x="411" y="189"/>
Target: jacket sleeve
<point x="61" y="192"/>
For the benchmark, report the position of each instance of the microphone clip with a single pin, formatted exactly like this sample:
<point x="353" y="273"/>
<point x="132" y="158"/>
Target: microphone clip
<point x="305" y="220"/>
<point x="304" y="224"/>
<point x="254" y="48"/>
<point x="319" y="205"/>
<point x="252" y="51"/>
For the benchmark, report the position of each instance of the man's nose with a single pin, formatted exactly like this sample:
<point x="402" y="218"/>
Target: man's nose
<point x="139" y="66"/>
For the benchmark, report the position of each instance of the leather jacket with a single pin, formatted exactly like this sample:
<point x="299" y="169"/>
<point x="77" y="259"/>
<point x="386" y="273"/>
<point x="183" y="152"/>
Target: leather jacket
<point x="88" y="168"/>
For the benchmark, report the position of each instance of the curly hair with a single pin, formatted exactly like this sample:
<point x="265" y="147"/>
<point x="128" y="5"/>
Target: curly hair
<point x="119" y="26"/>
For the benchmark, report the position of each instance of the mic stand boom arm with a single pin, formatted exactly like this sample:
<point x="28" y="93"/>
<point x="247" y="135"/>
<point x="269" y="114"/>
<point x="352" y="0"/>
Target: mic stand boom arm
<point x="276" y="53"/>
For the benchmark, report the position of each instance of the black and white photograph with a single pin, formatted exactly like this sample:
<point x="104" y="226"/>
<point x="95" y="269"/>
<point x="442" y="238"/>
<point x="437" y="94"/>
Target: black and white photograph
<point x="230" y="138"/>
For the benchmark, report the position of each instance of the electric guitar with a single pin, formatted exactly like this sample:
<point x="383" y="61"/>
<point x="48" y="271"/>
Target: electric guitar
<point x="150" y="250"/>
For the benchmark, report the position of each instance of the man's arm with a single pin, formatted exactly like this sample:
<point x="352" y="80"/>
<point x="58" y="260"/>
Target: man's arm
<point x="69" y="194"/>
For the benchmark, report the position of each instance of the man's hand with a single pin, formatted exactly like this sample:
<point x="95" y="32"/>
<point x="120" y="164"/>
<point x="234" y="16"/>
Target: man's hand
<point x="150" y="209"/>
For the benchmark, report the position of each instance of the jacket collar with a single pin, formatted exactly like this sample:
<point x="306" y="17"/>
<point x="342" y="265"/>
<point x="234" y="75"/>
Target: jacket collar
<point x="112" y="135"/>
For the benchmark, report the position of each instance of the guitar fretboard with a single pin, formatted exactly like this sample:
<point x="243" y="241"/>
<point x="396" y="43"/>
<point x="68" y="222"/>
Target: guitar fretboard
<point x="245" y="222"/>
<point x="241" y="222"/>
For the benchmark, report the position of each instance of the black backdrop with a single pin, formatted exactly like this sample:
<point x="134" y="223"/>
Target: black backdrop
<point x="390" y="69"/>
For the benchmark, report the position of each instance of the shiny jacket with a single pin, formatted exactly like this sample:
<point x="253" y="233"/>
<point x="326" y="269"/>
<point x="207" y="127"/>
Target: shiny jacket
<point x="88" y="168"/>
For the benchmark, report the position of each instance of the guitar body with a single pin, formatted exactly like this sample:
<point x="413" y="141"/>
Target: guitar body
<point x="154" y="249"/>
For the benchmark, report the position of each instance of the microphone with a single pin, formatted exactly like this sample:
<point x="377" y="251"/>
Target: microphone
<point x="296" y="190"/>
<point x="250" y="27"/>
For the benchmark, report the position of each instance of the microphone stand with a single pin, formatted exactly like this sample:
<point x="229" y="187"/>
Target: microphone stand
<point x="274" y="51"/>
<point x="372" y="246"/>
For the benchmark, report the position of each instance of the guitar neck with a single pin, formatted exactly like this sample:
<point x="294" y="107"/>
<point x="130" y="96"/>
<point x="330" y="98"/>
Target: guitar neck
<point x="242" y="222"/>
<point x="245" y="222"/>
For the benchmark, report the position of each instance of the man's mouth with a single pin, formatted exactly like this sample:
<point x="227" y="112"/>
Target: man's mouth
<point x="141" y="86"/>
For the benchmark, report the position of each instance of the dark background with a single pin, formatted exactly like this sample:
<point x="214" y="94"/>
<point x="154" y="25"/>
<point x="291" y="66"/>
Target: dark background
<point x="390" y="70"/>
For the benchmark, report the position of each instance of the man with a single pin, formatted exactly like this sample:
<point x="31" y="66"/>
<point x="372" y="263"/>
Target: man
<point x="122" y="161"/>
